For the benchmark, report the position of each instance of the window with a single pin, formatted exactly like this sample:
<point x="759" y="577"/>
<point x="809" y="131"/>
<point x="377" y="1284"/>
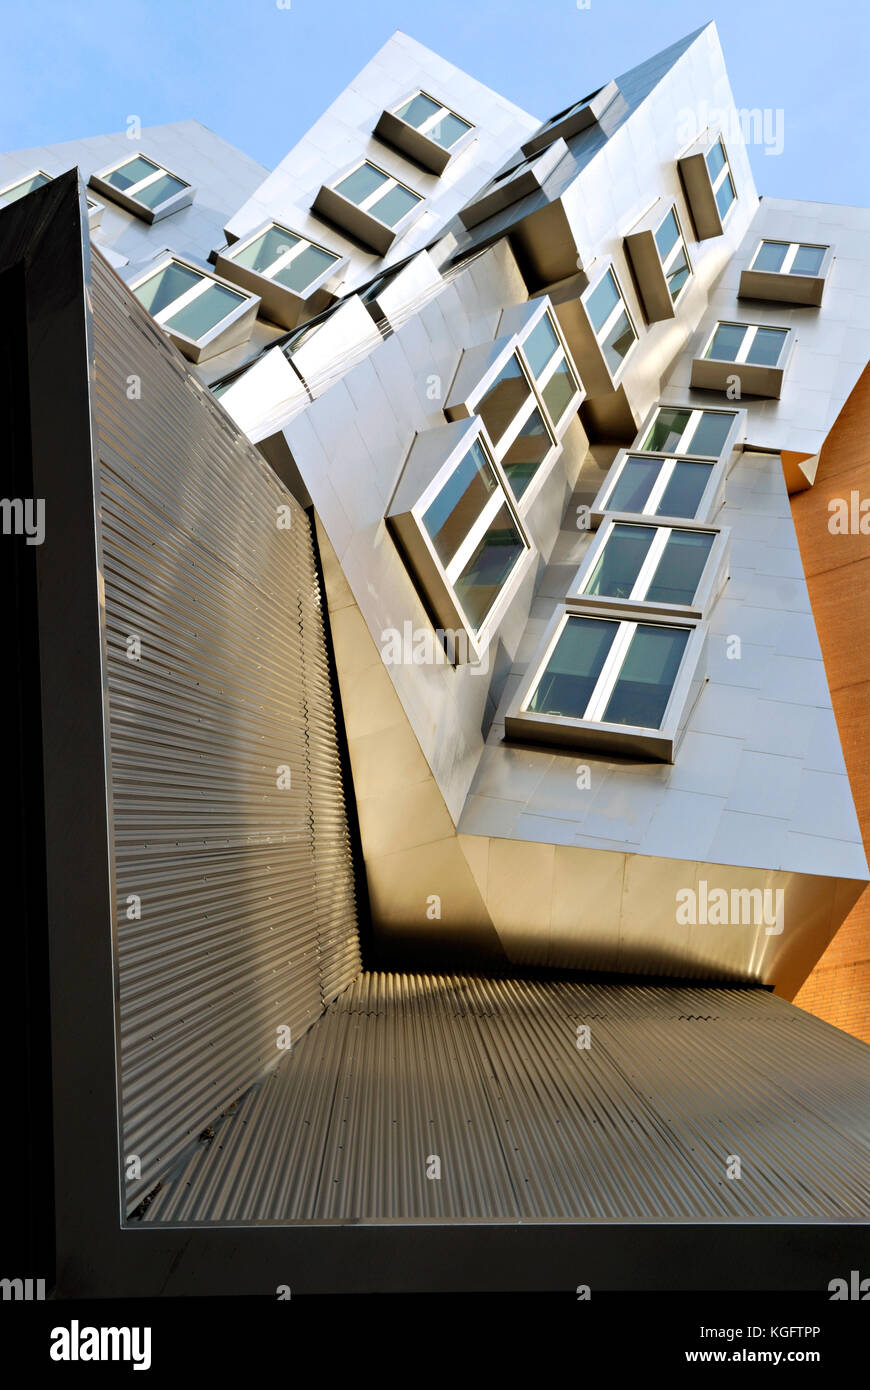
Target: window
<point x="554" y="377"/>
<point x="740" y="342"/>
<point x="13" y="191"/>
<point x="682" y="430"/>
<point x="376" y="193"/>
<point x="458" y="528"/>
<point x="789" y="258"/>
<point x="720" y="178"/>
<point x="658" y="486"/>
<point x="580" y="115"/>
<point x="673" y="254"/>
<point x="519" y="434"/>
<point x="144" y="187"/>
<point x="793" y="272"/>
<point x="433" y="120"/>
<point x="284" y="257"/>
<point x="611" y="321"/>
<point x="651" y="564"/>
<point x="194" y="308"/>
<point x="750" y="353"/>
<point x="609" y="681"/>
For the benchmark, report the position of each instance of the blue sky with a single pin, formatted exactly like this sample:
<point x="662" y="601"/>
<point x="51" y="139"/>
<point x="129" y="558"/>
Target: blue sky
<point x="259" y="73"/>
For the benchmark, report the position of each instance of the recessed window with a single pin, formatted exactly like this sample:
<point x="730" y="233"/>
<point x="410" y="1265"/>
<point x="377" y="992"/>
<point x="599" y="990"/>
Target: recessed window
<point x="740" y="342"/>
<point x="611" y="321"/>
<point x="433" y="120"/>
<point x="652" y="564"/>
<point x="603" y="671"/>
<point x="720" y="177"/>
<point x="655" y="486"/>
<point x="284" y="257"/>
<point x="673" y="254"/>
<point x="376" y="193"/>
<point x="143" y="186"/>
<point x="192" y="307"/>
<point x="680" y="430"/>
<point x="13" y="191"/>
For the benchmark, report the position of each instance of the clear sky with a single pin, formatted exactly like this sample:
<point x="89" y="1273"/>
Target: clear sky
<point x="259" y="72"/>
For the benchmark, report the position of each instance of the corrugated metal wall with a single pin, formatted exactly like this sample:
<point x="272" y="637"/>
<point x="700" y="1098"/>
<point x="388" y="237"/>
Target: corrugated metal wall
<point x="235" y="900"/>
<point x="486" y="1075"/>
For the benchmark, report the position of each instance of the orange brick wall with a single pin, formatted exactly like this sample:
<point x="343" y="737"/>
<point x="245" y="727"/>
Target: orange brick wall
<point x="837" y="568"/>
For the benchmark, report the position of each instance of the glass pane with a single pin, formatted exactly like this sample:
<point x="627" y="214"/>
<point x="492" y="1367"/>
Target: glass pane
<point x="667" y="234"/>
<point x="559" y="392"/>
<point x="678" y="274"/>
<point x="127" y="174"/>
<point x="618" y="343"/>
<point x="18" y="190"/>
<point x="726" y="342"/>
<point x="500" y="405"/>
<point x="459" y="503"/>
<point x="684" y="490"/>
<point x="766" y="347"/>
<point x="602" y="301"/>
<point x="771" y="255"/>
<point x="571" y="674"/>
<point x="166" y="286"/>
<point x="448" y="130"/>
<point x="393" y="206"/>
<point x="540" y="345"/>
<point x="205" y="312"/>
<point x="808" y="260"/>
<point x="666" y="430"/>
<point x="634" y="485"/>
<point x="418" y="110"/>
<point x="358" y="185"/>
<point x="266" y="249"/>
<point x="304" y="268"/>
<point x="680" y="568"/>
<point x="619" y="563"/>
<point x="715" y="160"/>
<point x="711" y="433"/>
<point x="725" y="196"/>
<point x="646" y="680"/>
<point x="527" y="453"/>
<point x="159" y="191"/>
<point x="483" y="578"/>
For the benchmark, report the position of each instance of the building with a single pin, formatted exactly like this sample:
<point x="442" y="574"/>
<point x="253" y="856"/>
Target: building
<point x="444" y="635"/>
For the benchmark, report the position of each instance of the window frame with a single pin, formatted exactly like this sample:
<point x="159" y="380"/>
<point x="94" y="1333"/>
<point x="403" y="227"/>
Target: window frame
<point x="784" y="286"/>
<point x="439" y="453"/>
<point x="356" y="218"/>
<point x="672" y="254"/>
<point x="650" y="268"/>
<point x="17" y="182"/>
<point x="708" y="505"/>
<point x="756" y="378"/>
<point x="415" y="141"/>
<point x="724" y="175"/>
<point x="610" y="321"/>
<point x="196" y="348"/>
<point x="126" y="197"/>
<point x="280" y="303"/>
<point x="682" y="449"/>
<point x="707" y="590"/>
<point x="634" y="740"/>
<point x="701" y="188"/>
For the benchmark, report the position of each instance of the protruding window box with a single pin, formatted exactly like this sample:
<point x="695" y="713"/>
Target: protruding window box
<point x="95" y="213"/>
<point x="392" y="296"/>
<point x="692" y="431"/>
<point x="517" y="181"/>
<point x="573" y="119"/>
<point x="709" y="184"/>
<point x="603" y="681"/>
<point x="790" y="272"/>
<point x="660" y="260"/>
<point x="454" y="520"/>
<point x="369" y="204"/>
<point x="653" y="567"/>
<point x="37" y="178"/>
<point x="426" y="130"/>
<point x="143" y="186"/>
<point x="294" y="277"/>
<point x="201" y="314"/>
<point x="661" y="485"/>
<point x="598" y="325"/>
<point x="752" y="356"/>
<point x="525" y="388"/>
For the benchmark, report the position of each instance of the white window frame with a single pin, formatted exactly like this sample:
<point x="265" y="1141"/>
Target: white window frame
<point x="560" y="355"/>
<point x="377" y="193"/>
<point x="532" y="403"/>
<point x="791" y="256"/>
<point x="671" y="257"/>
<point x="174" y="203"/>
<point x="723" y="174"/>
<point x="745" y="348"/>
<point x="432" y="120"/>
<point x="682" y="450"/>
<point x="286" y="258"/>
<point x="16" y="183"/>
<point x="181" y="302"/>
<point x="716" y="556"/>
<point x="612" y="318"/>
<point x="668" y="464"/>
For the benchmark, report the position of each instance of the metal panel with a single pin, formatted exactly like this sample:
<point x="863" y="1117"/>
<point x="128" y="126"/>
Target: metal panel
<point x="486" y="1075"/>
<point x="246" y="915"/>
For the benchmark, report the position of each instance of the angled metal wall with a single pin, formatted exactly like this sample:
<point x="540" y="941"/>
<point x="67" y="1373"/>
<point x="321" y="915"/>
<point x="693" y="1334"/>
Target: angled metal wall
<point x="234" y="891"/>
